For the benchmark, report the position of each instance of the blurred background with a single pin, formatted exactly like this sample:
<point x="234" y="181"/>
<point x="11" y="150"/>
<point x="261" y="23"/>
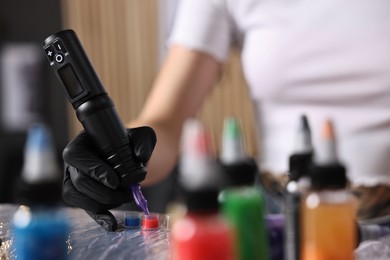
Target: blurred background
<point x="126" y="43"/>
<point x="29" y="91"/>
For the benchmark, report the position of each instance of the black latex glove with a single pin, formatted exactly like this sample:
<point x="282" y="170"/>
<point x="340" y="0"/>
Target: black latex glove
<point x="91" y="184"/>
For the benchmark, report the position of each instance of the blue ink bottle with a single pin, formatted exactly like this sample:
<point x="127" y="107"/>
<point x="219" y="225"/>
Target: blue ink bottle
<point x="40" y="228"/>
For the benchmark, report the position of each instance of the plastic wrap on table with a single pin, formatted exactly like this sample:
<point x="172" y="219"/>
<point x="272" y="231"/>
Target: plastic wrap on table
<point x="87" y="240"/>
<point x="374" y="249"/>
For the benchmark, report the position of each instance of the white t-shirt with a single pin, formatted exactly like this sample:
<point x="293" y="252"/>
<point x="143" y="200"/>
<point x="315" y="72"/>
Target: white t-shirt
<point x="326" y="59"/>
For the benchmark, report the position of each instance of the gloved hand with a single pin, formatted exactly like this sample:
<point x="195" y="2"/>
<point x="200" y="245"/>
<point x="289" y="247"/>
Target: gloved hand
<point x="91" y="184"/>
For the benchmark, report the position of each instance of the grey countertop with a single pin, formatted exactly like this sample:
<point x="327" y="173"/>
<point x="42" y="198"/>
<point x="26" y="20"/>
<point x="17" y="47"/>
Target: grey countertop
<point x="87" y="240"/>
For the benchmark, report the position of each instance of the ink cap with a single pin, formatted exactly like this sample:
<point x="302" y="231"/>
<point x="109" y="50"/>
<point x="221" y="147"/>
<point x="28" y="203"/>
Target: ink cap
<point x="132" y="220"/>
<point x="238" y="167"/>
<point x="40" y="180"/>
<point x="200" y="176"/>
<point x="301" y="157"/>
<point x="150" y="222"/>
<point x="232" y="150"/>
<point x="326" y="171"/>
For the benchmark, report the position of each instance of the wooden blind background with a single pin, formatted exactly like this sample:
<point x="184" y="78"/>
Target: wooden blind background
<point x="121" y="39"/>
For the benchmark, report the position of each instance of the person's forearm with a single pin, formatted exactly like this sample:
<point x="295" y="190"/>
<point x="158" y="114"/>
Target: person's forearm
<point x="165" y="154"/>
<point x="184" y="81"/>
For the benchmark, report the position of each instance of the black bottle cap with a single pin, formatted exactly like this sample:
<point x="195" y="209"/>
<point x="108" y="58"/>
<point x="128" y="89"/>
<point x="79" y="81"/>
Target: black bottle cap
<point x="299" y="165"/>
<point x="201" y="200"/>
<point x="331" y="176"/>
<point x="241" y="173"/>
<point x="44" y="193"/>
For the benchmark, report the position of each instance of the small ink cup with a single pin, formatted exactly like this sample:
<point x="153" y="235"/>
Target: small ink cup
<point x="150" y="222"/>
<point x="166" y="223"/>
<point x="132" y="220"/>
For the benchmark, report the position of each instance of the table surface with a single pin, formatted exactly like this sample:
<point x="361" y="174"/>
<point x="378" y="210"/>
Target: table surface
<point x="87" y="240"/>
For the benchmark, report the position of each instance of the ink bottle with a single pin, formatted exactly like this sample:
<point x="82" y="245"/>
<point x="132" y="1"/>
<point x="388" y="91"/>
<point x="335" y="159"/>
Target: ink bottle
<point x="242" y="203"/>
<point x="40" y="228"/>
<point x="40" y="233"/>
<point x="244" y="208"/>
<point x="328" y="224"/>
<point x="202" y="233"/>
<point x="297" y="188"/>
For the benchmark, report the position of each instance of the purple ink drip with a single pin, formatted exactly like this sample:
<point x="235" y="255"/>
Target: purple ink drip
<point x="139" y="198"/>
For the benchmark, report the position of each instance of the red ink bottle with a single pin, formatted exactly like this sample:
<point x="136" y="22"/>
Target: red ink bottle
<point x="202" y="233"/>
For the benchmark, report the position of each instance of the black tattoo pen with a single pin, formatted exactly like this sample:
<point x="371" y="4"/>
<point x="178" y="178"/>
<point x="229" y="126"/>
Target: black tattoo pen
<point x="95" y="109"/>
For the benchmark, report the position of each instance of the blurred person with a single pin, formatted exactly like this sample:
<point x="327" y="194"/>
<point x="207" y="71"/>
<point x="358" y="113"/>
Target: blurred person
<point x="324" y="59"/>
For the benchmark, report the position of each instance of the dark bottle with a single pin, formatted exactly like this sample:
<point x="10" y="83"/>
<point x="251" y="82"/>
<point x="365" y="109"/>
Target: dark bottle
<point x="40" y="227"/>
